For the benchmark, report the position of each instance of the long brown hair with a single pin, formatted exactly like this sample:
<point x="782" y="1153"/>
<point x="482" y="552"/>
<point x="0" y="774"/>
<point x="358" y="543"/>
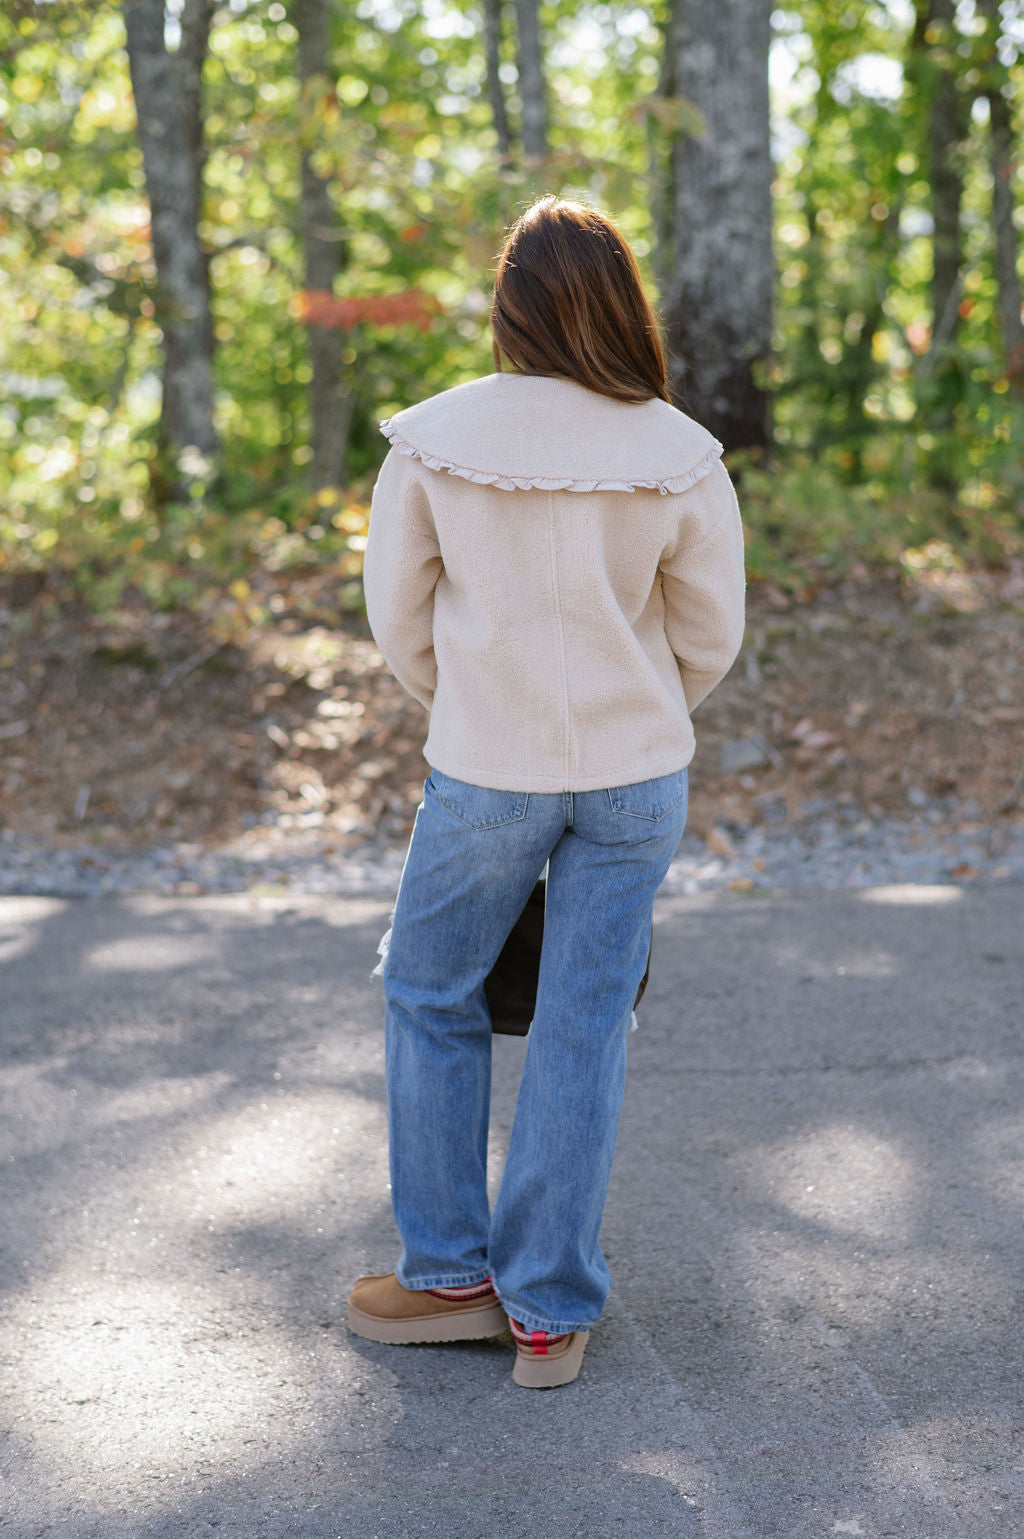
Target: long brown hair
<point x="569" y="300"/>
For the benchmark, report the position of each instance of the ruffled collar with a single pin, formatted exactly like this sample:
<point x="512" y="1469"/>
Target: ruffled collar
<point x="518" y="431"/>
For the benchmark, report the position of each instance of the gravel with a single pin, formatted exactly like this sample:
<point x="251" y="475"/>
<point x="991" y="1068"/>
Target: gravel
<point x="828" y="846"/>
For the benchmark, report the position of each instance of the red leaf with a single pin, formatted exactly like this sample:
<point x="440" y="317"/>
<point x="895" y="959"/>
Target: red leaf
<point x="411" y="307"/>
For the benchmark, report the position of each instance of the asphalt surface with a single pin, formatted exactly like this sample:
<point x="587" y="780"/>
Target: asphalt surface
<point x="814" y="1228"/>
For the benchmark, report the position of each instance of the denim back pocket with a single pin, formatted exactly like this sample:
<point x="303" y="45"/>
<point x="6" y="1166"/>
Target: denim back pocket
<point x="478" y="806"/>
<point x="650" y="799"/>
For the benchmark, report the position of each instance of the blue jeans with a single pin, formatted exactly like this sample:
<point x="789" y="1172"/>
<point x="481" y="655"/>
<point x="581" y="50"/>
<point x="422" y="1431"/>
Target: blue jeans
<point x="473" y="860"/>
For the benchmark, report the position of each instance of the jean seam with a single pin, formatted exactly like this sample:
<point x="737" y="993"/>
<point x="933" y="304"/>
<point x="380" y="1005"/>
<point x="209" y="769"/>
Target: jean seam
<point x="568" y="744"/>
<point x="645" y="817"/>
<point x="483" y="828"/>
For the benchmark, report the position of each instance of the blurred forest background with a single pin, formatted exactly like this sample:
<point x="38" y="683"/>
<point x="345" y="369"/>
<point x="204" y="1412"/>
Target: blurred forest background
<point x="234" y="236"/>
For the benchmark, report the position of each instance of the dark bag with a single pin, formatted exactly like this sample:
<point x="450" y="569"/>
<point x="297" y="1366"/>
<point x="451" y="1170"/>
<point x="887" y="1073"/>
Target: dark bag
<point x="511" y="985"/>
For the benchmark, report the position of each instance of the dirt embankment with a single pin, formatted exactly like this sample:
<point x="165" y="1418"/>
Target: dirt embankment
<point x="138" y="728"/>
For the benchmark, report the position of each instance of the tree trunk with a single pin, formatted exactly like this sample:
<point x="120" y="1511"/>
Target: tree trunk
<point x="659" y="169"/>
<point x="939" y="375"/>
<point x="859" y="367"/>
<point x="947" y="123"/>
<point x="167" y="93"/>
<point x="719" y="300"/>
<point x="495" y="89"/>
<point x="934" y="75"/>
<point x="195" y="19"/>
<point x="323" y="257"/>
<point x="531" y="80"/>
<point x="1002" y="159"/>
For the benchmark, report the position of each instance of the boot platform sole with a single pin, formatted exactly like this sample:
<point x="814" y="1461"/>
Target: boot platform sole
<point x="460" y="1325"/>
<point x="553" y="1368"/>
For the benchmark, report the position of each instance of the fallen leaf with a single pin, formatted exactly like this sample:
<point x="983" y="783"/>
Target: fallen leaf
<point x="719" y="843"/>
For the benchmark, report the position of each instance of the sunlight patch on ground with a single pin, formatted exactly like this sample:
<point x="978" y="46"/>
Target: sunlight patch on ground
<point x="126" y="1346"/>
<point x="271" y="1160"/>
<point x="151" y="953"/>
<point x="911" y="894"/>
<point x="854" y="964"/>
<point x="148" y="1384"/>
<point x="29" y="910"/>
<point x="843" y="1178"/>
<point x="17" y="918"/>
<point x="935" y="568"/>
<point x="175" y="1336"/>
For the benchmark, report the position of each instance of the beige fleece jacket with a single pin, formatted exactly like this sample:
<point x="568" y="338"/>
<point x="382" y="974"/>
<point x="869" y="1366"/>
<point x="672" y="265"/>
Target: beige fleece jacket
<point x="558" y="577"/>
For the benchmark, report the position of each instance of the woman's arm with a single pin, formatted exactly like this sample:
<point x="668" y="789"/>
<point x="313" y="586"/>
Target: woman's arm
<point x="704" y="585"/>
<point x="400" y="572"/>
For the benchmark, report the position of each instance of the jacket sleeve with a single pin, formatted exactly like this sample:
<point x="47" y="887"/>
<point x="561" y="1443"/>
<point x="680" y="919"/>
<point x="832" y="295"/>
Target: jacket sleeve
<point x="400" y="572"/>
<point x="704" y="585"/>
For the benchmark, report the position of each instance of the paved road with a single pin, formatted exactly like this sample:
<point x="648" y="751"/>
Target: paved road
<point x="815" y="1230"/>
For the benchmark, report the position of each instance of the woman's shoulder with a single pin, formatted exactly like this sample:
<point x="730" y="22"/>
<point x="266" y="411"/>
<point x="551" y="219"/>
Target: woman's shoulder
<point x="520" y="431"/>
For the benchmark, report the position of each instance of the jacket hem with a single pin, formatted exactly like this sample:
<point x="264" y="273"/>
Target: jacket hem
<point x="670" y="484"/>
<point x="496" y="780"/>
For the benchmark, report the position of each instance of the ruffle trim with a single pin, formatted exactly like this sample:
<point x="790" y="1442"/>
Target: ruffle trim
<point x="672" y="484"/>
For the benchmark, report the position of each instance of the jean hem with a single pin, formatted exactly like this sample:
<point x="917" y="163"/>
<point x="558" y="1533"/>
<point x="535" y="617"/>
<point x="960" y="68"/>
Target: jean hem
<point x="444" y="1280"/>
<point x="532" y="1322"/>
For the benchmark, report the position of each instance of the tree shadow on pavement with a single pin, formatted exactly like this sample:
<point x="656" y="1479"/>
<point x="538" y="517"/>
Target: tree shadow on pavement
<point x="814" y="1229"/>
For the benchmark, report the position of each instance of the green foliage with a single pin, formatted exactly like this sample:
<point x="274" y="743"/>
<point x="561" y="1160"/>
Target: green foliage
<point x="881" y="444"/>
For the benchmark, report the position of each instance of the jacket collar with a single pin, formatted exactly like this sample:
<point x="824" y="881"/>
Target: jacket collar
<point x="520" y="431"/>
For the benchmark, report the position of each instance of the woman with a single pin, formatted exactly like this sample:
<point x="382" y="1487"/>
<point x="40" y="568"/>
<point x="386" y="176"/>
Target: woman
<point x="555" y="569"/>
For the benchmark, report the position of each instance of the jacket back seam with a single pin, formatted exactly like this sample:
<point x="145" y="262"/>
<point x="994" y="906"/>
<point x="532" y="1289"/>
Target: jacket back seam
<point x="562" y="659"/>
